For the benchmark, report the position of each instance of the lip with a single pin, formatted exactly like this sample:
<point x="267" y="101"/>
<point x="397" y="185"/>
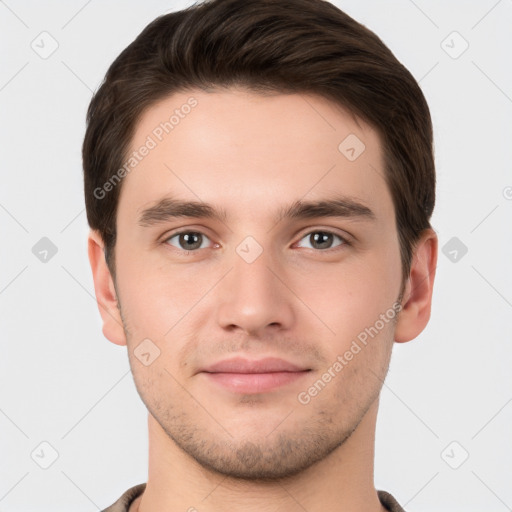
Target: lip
<point x="242" y="365"/>
<point x="248" y="383"/>
<point x="241" y="375"/>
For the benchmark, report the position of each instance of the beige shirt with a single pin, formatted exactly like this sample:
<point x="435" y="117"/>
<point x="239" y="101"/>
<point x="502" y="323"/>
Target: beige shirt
<point x="124" y="502"/>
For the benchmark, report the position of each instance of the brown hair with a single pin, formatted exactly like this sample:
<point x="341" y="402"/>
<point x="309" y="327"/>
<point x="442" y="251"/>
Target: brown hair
<point x="288" y="46"/>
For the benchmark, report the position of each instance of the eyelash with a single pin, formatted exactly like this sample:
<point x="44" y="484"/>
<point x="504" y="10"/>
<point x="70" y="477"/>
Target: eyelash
<point x="344" y="240"/>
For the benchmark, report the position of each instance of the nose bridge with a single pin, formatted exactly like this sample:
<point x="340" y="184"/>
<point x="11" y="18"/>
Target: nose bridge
<point x="251" y="268"/>
<point x="252" y="297"/>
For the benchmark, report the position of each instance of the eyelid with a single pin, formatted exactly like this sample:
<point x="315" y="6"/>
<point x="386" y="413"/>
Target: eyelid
<point x="346" y="240"/>
<point x="178" y="231"/>
<point x="347" y="237"/>
<point x="172" y="234"/>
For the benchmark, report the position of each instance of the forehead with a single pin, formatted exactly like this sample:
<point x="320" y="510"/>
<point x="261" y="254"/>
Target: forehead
<point x="236" y="148"/>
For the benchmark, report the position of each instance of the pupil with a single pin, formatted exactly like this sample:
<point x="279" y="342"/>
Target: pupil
<point x="322" y="238"/>
<point x="191" y="240"/>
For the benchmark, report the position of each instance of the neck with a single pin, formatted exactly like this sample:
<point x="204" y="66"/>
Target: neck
<point x="343" y="481"/>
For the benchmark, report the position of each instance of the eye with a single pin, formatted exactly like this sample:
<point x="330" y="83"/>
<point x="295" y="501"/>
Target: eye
<point x="188" y="240"/>
<point x="323" y="239"/>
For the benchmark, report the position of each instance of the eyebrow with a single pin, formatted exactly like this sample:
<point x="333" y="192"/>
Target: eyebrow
<point x="169" y="208"/>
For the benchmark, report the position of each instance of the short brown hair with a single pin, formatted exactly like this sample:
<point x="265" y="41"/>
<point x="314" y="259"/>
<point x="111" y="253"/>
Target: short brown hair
<point x="288" y="46"/>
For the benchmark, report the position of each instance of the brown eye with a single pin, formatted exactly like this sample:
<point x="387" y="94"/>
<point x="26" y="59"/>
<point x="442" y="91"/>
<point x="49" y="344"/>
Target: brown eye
<point x="322" y="240"/>
<point x="188" y="240"/>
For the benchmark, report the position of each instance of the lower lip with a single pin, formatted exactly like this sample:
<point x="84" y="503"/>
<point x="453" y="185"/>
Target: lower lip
<point x="254" y="382"/>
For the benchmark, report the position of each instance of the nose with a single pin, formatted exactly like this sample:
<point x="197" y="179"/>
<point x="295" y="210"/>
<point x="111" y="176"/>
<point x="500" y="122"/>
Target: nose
<point x="254" y="296"/>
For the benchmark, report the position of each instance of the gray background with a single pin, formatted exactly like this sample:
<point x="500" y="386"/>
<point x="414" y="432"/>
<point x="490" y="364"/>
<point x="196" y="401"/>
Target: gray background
<point x="448" y="394"/>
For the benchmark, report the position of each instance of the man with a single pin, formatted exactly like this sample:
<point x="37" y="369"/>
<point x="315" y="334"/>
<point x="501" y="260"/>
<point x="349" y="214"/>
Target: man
<point x="259" y="180"/>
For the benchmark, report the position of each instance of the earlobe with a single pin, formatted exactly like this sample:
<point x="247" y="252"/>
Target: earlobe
<point x="417" y="299"/>
<point x="105" y="291"/>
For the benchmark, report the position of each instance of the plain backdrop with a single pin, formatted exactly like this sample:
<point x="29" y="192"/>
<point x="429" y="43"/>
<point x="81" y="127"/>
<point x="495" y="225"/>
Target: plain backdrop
<point x="67" y="397"/>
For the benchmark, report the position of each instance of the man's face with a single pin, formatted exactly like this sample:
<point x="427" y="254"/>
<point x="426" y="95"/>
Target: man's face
<point x="253" y="284"/>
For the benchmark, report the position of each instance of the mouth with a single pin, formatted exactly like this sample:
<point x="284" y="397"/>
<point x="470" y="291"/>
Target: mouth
<point x="241" y="375"/>
<point x="254" y="382"/>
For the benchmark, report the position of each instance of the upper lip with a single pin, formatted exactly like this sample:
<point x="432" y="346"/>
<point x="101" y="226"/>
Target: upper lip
<point x="242" y="365"/>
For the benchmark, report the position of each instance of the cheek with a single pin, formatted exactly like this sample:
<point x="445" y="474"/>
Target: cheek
<point x="155" y="297"/>
<point x="350" y="296"/>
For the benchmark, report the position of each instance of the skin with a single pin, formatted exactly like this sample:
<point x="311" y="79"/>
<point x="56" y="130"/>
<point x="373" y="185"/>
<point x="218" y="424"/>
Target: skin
<point x="211" y="448"/>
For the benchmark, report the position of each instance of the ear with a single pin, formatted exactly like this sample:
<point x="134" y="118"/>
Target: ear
<point x="417" y="300"/>
<point x="105" y="291"/>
